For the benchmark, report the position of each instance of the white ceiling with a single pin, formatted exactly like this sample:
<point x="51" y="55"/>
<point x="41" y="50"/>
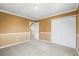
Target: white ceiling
<point x="35" y="11"/>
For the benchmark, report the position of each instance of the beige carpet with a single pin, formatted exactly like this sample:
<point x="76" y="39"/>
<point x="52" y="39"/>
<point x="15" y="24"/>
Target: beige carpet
<point x="37" y="48"/>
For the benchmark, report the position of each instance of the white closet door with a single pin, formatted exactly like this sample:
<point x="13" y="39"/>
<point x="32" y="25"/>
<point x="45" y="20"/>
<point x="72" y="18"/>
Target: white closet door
<point x="64" y="31"/>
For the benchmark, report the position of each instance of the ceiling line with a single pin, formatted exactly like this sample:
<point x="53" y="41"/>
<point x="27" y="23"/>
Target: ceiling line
<point x="74" y="12"/>
<point x="68" y="13"/>
<point x="15" y="15"/>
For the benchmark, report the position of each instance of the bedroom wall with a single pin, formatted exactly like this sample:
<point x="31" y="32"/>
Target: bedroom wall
<point x="12" y="24"/>
<point x="77" y="25"/>
<point x="13" y="29"/>
<point x="45" y="30"/>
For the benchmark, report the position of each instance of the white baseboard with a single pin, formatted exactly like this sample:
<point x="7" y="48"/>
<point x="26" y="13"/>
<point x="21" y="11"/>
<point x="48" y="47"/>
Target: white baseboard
<point x="46" y="41"/>
<point x="14" y="33"/>
<point x="14" y="44"/>
<point x="77" y="51"/>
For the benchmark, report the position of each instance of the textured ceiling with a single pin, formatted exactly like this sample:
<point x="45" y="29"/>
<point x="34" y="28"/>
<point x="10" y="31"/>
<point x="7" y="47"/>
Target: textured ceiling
<point x="35" y="11"/>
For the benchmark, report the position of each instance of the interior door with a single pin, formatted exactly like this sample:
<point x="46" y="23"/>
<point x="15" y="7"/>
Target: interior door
<point x="35" y="30"/>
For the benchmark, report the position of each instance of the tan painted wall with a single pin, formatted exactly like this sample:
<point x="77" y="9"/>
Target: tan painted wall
<point x="11" y="24"/>
<point x="45" y="25"/>
<point x="45" y="30"/>
<point x="77" y="20"/>
<point x="77" y="25"/>
<point x="13" y="29"/>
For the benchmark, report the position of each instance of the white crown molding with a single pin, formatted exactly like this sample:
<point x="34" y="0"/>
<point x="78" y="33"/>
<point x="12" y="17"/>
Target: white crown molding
<point x="59" y="13"/>
<point x="15" y="33"/>
<point x="40" y="18"/>
<point x="14" y="14"/>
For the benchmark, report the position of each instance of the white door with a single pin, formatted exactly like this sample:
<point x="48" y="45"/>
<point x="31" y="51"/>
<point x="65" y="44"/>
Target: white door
<point x="35" y="30"/>
<point x="64" y="31"/>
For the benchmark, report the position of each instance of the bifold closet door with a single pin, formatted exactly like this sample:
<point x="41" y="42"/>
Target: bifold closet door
<point x="45" y="30"/>
<point x="64" y="31"/>
<point x="13" y="29"/>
